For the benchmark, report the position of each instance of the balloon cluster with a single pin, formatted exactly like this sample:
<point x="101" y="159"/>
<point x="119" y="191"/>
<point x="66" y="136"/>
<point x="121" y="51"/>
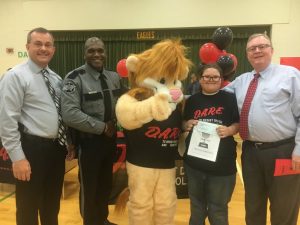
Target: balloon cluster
<point x="214" y="52"/>
<point x="121" y="68"/>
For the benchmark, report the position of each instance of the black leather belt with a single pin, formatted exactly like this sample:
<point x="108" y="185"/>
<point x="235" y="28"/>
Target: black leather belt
<point x="265" y="145"/>
<point x="38" y="139"/>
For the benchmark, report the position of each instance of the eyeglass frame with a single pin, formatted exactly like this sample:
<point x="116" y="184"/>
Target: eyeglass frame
<point x="40" y="45"/>
<point x="209" y="78"/>
<point x="261" y="47"/>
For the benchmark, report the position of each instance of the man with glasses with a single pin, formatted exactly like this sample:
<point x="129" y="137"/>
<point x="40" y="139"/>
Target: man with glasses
<point x="29" y="132"/>
<point x="269" y="103"/>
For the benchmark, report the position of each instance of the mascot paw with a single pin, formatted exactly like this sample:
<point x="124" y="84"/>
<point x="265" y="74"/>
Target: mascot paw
<point x="172" y="105"/>
<point x="161" y="109"/>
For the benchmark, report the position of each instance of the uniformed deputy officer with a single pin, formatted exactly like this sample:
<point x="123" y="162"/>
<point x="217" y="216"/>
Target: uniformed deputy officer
<point x="88" y="105"/>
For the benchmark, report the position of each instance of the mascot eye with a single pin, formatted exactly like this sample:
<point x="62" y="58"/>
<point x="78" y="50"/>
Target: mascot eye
<point x="162" y="81"/>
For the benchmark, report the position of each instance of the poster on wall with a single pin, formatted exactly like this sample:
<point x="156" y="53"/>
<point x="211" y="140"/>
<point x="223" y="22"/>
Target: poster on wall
<point x="290" y="61"/>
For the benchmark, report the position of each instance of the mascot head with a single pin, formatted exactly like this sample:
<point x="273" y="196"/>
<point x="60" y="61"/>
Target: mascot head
<point x="159" y="69"/>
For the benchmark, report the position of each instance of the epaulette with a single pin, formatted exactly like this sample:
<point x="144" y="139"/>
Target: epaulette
<point x="75" y="73"/>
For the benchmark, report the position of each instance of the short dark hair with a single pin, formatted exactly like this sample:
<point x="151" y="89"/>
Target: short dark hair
<point x="38" y="30"/>
<point x="208" y="66"/>
<point x="92" y="40"/>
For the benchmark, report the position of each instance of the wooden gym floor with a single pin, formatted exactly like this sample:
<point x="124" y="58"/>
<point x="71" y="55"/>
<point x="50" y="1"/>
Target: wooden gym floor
<point x="69" y="213"/>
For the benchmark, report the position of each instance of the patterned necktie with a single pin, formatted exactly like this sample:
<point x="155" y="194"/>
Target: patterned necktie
<point x="107" y="98"/>
<point x="62" y="138"/>
<point x="244" y="132"/>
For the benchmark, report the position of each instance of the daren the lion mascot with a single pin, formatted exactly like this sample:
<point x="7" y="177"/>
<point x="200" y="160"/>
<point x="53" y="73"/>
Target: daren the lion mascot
<point x="152" y="123"/>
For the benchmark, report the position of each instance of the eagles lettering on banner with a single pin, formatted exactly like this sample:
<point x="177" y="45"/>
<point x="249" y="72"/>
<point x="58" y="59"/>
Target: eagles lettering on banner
<point x="145" y="35"/>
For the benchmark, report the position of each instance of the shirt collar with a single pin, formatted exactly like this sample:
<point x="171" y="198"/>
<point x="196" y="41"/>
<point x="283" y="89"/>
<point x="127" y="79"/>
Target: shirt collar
<point x="35" y="68"/>
<point x="94" y="73"/>
<point x="265" y="73"/>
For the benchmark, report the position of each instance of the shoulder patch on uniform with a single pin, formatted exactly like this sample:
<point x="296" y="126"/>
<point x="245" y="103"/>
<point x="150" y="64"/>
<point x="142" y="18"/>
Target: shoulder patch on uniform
<point x="69" y="87"/>
<point x="73" y="75"/>
<point x="81" y="71"/>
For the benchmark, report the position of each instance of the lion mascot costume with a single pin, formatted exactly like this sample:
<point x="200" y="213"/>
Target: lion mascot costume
<point x="151" y="119"/>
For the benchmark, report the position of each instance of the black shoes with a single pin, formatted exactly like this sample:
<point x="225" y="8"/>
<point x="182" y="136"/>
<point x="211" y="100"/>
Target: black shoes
<point x="106" y="222"/>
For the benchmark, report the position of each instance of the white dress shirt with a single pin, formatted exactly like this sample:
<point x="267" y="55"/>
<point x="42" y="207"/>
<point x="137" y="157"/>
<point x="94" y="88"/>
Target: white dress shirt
<point x="24" y="98"/>
<point x="275" y="110"/>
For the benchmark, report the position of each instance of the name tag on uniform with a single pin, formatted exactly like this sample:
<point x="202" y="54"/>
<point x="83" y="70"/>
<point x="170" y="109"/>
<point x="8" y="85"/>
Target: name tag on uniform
<point x="93" y="95"/>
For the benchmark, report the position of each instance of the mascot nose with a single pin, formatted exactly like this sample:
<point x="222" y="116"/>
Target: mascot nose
<point x="176" y="94"/>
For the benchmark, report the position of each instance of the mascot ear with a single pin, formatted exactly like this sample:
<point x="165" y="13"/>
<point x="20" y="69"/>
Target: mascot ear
<point x="131" y="62"/>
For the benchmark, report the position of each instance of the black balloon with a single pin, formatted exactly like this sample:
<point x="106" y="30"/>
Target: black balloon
<point x="226" y="63"/>
<point x="222" y="37"/>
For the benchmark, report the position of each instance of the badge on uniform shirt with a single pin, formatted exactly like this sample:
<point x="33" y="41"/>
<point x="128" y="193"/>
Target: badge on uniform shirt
<point x="69" y="87"/>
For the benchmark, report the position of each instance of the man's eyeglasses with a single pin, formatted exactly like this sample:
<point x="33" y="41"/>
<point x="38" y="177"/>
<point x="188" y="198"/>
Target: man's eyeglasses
<point x="40" y="45"/>
<point x="260" y="47"/>
<point x="209" y="78"/>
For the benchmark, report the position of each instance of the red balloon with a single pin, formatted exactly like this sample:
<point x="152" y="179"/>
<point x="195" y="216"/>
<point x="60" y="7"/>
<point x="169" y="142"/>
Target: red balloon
<point x="234" y="59"/>
<point x="209" y="53"/>
<point x="121" y="68"/>
<point x="223" y="52"/>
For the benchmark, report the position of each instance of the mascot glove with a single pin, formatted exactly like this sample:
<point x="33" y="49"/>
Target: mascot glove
<point x="133" y="114"/>
<point x="161" y="109"/>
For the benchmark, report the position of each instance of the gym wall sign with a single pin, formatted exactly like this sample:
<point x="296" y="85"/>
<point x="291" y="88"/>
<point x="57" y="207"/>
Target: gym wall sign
<point x="145" y="35"/>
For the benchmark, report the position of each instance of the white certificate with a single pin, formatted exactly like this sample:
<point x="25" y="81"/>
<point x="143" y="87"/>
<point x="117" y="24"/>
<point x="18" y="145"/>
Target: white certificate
<point x="205" y="141"/>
